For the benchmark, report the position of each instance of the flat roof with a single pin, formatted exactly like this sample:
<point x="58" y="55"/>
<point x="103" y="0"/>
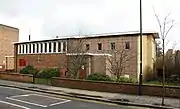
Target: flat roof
<point x="9" y="26"/>
<point x="90" y="54"/>
<point x="155" y="34"/>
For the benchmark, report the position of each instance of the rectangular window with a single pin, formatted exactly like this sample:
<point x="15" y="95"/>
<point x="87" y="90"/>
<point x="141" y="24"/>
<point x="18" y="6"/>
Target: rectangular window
<point x="41" y="47"/>
<point x="64" y="46"/>
<point x="87" y="47"/>
<point x="37" y="49"/>
<point x="26" y="48"/>
<point x="22" y="48"/>
<point x="45" y="47"/>
<point x="113" y="46"/>
<point x="127" y="45"/>
<point x="59" y="46"/>
<point x="99" y="46"/>
<point x="50" y="47"/>
<point x="33" y="48"/>
<point x="54" y="47"/>
<point x="19" y="49"/>
<point x="29" y="48"/>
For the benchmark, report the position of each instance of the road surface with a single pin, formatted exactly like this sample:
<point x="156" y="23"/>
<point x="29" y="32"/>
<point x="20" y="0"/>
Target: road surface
<point x="11" y="98"/>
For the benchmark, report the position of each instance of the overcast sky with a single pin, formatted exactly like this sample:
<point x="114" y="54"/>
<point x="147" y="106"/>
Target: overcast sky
<point x="49" y="18"/>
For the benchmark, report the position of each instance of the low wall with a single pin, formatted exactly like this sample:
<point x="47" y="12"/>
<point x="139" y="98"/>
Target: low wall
<point x="17" y="77"/>
<point x="115" y="87"/>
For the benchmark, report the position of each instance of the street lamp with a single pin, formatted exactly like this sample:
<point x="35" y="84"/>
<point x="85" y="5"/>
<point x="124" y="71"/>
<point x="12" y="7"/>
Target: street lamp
<point x="140" y="74"/>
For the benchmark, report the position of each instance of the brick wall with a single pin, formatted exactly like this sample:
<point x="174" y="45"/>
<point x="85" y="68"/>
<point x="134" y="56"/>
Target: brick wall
<point x="42" y="61"/>
<point x="17" y="77"/>
<point x="96" y="86"/>
<point x="119" y="43"/>
<point x="116" y="87"/>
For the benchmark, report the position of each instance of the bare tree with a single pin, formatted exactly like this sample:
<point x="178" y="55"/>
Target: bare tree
<point x="119" y="61"/>
<point x="169" y="61"/>
<point x="165" y="27"/>
<point x="76" y="56"/>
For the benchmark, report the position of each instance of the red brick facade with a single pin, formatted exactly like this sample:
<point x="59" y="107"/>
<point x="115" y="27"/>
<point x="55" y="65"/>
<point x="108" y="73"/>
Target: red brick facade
<point x="53" y="53"/>
<point x="41" y="61"/>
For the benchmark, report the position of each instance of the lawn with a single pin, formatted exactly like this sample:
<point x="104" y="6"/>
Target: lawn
<point x="45" y="81"/>
<point x="158" y="83"/>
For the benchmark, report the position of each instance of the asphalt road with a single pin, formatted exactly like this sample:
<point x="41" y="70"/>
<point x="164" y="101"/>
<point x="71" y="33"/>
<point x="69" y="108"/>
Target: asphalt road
<point x="11" y="98"/>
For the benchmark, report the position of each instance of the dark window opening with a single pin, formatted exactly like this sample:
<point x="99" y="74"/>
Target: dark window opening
<point x="19" y="48"/>
<point x="22" y="48"/>
<point x="59" y="46"/>
<point x="41" y="47"/>
<point x="45" y="47"/>
<point x="50" y="47"/>
<point x="113" y="46"/>
<point x="37" y="50"/>
<point x="33" y="48"/>
<point x="64" y="46"/>
<point x="29" y="48"/>
<point x="54" y="47"/>
<point x="26" y="48"/>
<point x="99" y="46"/>
<point x="127" y="45"/>
<point x="87" y="47"/>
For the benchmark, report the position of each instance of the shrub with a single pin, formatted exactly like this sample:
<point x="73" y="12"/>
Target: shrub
<point x="29" y="70"/>
<point x="127" y="80"/>
<point x="48" y="73"/>
<point x="173" y="79"/>
<point x="148" y="74"/>
<point x="98" y="77"/>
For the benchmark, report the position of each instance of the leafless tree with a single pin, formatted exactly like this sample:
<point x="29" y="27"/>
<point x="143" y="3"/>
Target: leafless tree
<point x="119" y="61"/>
<point x="76" y="56"/>
<point x="165" y="27"/>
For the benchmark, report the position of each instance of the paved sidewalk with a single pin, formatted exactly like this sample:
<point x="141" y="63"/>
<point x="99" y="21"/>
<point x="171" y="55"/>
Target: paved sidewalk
<point x="111" y="96"/>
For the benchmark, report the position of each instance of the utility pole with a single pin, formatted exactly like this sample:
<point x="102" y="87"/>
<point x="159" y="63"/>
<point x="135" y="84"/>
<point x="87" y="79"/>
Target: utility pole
<point x="163" y="74"/>
<point x="140" y="74"/>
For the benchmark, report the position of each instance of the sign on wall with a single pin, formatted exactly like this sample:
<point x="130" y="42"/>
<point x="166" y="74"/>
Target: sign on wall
<point x="22" y="62"/>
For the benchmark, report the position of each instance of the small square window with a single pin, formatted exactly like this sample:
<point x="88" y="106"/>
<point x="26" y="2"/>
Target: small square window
<point x="113" y="46"/>
<point x="127" y="45"/>
<point x="99" y="46"/>
<point x="87" y="47"/>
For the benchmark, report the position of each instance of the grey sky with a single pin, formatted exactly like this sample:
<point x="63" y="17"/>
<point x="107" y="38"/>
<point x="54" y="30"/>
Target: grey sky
<point x="49" y="18"/>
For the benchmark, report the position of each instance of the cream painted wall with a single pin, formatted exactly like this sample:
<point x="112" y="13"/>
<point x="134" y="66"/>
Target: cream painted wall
<point x="8" y="35"/>
<point x="148" y="52"/>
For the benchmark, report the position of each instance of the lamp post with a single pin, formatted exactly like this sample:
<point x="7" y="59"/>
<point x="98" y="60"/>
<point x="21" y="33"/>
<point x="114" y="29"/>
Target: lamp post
<point x="140" y="74"/>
